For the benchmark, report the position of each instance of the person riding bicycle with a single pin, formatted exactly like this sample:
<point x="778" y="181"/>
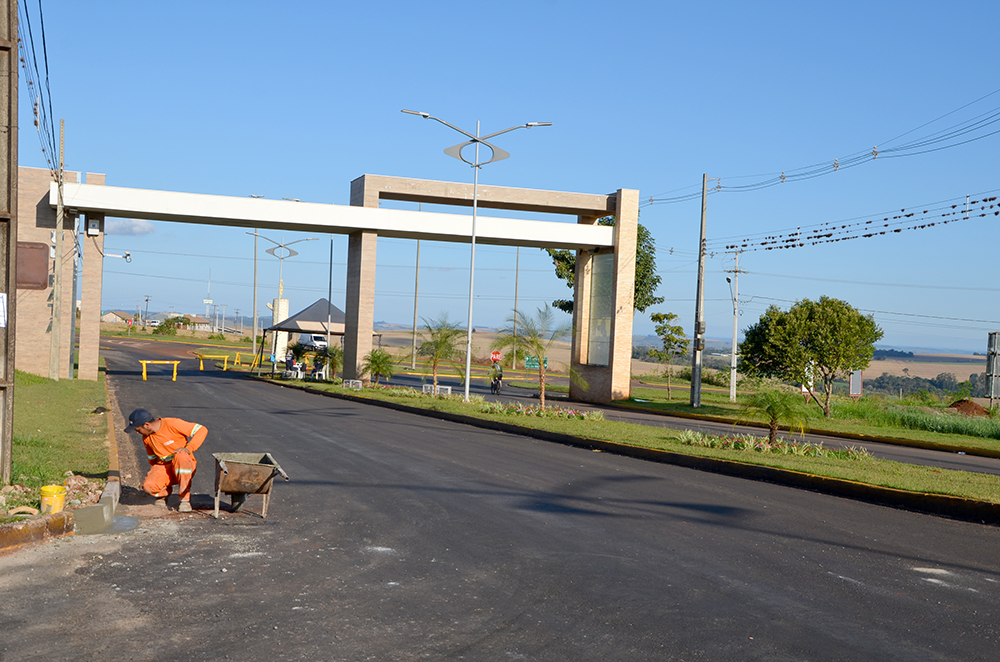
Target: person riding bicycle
<point x="496" y="377"/>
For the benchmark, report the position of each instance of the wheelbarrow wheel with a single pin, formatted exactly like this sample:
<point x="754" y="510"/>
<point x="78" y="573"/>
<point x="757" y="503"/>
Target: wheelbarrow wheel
<point x="237" y="499"/>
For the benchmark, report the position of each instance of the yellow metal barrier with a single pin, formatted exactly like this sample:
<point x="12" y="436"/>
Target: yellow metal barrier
<point x="144" y="368"/>
<point x="218" y="357"/>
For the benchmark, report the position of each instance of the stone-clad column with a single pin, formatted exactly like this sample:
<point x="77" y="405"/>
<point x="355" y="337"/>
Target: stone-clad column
<point x="604" y="383"/>
<point x="626" y="232"/>
<point x="91" y="280"/>
<point x="359" y="308"/>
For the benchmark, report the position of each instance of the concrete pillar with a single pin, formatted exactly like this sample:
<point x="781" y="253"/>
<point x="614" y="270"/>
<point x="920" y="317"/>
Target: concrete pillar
<point x="91" y="281"/>
<point x="359" y="310"/>
<point x="605" y="383"/>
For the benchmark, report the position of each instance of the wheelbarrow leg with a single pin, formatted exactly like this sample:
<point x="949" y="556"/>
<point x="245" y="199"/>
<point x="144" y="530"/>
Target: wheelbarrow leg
<point x="217" y="493"/>
<point x="263" y="512"/>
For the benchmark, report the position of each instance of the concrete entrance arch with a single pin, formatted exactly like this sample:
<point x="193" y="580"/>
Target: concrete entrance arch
<point x="602" y="320"/>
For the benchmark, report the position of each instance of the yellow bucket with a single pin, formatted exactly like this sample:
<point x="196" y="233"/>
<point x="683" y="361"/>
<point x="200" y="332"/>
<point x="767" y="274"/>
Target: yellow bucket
<point x="52" y="498"/>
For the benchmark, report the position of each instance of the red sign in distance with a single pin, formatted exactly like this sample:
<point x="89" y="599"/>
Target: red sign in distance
<point x="495" y="355"/>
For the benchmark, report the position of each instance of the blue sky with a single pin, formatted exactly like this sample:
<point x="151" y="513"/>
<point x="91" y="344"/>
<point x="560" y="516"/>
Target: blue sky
<point x="297" y="99"/>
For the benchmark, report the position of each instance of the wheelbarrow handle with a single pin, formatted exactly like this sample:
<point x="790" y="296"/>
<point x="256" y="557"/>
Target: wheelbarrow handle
<point x="222" y="465"/>
<point x="279" y="470"/>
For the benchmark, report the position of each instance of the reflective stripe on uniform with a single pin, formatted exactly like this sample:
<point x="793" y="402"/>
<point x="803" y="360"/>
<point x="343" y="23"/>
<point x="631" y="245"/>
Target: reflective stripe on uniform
<point x="184" y="471"/>
<point x="194" y="431"/>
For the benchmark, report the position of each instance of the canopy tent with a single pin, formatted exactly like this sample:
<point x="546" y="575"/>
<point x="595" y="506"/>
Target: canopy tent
<point x="313" y="320"/>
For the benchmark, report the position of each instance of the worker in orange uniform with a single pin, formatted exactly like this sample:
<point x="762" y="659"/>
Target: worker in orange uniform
<point x="170" y="445"/>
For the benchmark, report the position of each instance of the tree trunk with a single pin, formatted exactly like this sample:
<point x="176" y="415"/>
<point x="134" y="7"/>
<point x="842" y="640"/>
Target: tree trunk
<point x="541" y="382"/>
<point x="772" y="434"/>
<point x="434" y="375"/>
<point x="828" y="392"/>
<point x="669" y="370"/>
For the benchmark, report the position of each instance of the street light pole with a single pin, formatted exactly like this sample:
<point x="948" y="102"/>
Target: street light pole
<point x="455" y="151"/>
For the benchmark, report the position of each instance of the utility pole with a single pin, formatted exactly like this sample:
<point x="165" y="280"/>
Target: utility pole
<point x="239" y="321"/>
<point x="8" y="235"/>
<point x="255" y="292"/>
<point x="416" y="289"/>
<point x="517" y="272"/>
<point x="698" y="344"/>
<point x="55" y="339"/>
<point x="223" y="330"/>
<point x="736" y="299"/>
<point x="145" y="318"/>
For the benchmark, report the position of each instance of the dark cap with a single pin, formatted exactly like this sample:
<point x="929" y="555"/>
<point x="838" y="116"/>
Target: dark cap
<point x="137" y="418"/>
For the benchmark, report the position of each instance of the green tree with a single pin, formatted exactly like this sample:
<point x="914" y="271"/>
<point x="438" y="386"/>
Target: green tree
<point x="776" y="405"/>
<point x="298" y="351"/>
<point x="674" y="342"/>
<point x="646" y="279"/>
<point x="378" y="363"/>
<point x="534" y="337"/>
<point x="828" y="337"/>
<point x="440" y="343"/>
<point x="168" y="327"/>
<point x="333" y="357"/>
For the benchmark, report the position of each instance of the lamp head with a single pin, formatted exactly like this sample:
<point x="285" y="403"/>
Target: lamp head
<point x="415" y="112"/>
<point x="531" y="124"/>
<point x="729" y="280"/>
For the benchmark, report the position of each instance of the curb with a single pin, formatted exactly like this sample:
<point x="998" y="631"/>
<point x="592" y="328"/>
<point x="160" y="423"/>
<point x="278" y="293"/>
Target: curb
<point x="35" y="530"/>
<point x="968" y="510"/>
<point x="90" y="519"/>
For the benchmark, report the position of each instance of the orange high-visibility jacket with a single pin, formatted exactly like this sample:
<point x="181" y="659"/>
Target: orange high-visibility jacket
<point x="173" y="435"/>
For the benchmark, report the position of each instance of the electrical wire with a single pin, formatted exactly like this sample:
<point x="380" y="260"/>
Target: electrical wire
<point x="943" y="139"/>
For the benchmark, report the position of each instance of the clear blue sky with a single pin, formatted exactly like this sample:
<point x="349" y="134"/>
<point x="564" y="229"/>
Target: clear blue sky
<point x="297" y="99"/>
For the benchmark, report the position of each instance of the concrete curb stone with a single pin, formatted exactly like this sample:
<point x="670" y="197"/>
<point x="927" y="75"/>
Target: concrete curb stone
<point x="969" y="510"/>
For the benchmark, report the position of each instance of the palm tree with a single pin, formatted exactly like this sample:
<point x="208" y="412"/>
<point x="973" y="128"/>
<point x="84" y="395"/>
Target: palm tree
<point x="378" y="362"/>
<point x="332" y="357"/>
<point x="533" y="337"/>
<point x="439" y="342"/>
<point x="776" y="405"/>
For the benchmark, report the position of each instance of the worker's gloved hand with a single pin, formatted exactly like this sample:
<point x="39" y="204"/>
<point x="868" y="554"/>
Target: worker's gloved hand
<point x="184" y="450"/>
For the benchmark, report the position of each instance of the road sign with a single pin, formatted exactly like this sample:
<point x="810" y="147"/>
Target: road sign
<point x="531" y="363"/>
<point x="495" y="355"/>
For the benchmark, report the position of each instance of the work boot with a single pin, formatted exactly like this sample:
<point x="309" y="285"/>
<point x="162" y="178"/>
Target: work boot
<point x="185" y="507"/>
<point x="161" y="501"/>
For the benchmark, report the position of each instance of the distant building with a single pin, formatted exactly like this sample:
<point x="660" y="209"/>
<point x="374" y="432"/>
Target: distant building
<point x="117" y="317"/>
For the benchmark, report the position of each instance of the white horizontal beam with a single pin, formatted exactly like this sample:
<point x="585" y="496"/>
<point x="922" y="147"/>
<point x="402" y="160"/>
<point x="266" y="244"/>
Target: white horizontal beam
<point x="337" y="219"/>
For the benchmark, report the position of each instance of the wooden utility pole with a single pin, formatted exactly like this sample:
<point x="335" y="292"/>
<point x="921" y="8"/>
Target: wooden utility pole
<point x="736" y="312"/>
<point x="55" y="337"/>
<point x="8" y="236"/>
<point x="698" y="342"/>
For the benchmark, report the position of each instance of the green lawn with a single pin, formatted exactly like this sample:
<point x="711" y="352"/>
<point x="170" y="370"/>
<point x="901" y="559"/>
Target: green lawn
<point x="848" y="418"/>
<point x="55" y="431"/>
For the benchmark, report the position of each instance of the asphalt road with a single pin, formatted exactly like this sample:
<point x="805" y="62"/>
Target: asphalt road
<point x="401" y="537"/>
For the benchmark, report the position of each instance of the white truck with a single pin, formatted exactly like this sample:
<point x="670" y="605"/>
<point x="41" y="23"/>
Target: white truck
<point x="313" y="341"/>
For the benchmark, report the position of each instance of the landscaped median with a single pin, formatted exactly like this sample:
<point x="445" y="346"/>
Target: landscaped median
<point x="962" y="495"/>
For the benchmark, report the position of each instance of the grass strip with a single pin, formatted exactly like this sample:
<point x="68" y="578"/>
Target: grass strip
<point x="55" y="431"/>
<point x="871" y="420"/>
<point x="870" y="471"/>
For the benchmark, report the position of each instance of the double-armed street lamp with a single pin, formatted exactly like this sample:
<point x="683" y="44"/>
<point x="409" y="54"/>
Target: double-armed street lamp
<point x="497" y="154"/>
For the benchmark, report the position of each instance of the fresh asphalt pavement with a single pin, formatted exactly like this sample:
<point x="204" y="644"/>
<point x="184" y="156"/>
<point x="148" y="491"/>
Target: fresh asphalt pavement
<point x="401" y="537"/>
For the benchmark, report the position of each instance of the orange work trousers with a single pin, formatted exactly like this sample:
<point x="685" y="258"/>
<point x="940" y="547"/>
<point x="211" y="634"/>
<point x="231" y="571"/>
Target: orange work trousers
<point x="179" y="471"/>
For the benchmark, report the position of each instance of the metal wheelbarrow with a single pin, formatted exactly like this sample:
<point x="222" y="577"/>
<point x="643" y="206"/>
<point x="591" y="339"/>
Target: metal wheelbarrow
<point x="240" y="474"/>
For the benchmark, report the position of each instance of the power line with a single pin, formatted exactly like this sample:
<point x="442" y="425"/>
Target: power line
<point x="887" y="312"/>
<point x="836" y="231"/>
<point x="936" y="141"/>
